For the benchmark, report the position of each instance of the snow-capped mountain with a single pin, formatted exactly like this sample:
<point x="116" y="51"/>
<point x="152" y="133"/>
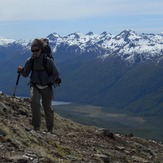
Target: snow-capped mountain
<point x="9" y="42"/>
<point x="94" y="70"/>
<point x="128" y="45"/>
<point x="5" y="41"/>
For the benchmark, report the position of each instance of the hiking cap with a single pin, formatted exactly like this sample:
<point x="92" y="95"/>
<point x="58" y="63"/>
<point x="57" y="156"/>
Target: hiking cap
<point x="37" y="43"/>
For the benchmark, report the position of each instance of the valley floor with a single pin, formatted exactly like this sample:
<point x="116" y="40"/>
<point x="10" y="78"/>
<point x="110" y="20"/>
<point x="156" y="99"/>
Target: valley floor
<point x="142" y="126"/>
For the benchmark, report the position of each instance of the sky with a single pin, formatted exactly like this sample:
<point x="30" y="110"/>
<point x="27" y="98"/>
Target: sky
<point x="29" y="19"/>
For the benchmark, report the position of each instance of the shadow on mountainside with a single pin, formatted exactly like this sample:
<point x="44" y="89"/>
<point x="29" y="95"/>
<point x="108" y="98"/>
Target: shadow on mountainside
<point x="71" y="142"/>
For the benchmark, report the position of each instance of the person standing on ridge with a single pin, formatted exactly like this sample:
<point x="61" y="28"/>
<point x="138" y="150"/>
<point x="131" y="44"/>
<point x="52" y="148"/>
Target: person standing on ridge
<point x="43" y="74"/>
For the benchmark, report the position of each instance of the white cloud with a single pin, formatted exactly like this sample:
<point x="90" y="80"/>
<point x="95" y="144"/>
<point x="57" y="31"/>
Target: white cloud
<point x="70" y="9"/>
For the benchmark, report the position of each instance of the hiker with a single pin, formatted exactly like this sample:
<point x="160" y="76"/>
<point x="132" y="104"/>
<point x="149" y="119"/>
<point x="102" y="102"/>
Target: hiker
<point x="41" y="80"/>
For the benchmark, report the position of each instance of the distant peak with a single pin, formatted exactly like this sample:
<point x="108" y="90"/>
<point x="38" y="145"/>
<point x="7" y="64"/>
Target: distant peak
<point x="5" y="41"/>
<point x="104" y="33"/>
<point x="75" y="35"/>
<point x="89" y="33"/>
<point x="56" y="34"/>
<point x="128" y="31"/>
<point x="53" y="36"/>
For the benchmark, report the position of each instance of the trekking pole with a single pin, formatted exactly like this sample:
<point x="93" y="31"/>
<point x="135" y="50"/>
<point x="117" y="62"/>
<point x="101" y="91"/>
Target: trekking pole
<point x="17" y="81"/>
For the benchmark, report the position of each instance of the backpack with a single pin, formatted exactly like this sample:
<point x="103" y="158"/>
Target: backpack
<point x="46" y="48"/>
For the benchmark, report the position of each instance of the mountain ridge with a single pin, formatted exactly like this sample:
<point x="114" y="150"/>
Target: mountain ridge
<point x="128" y="45"/>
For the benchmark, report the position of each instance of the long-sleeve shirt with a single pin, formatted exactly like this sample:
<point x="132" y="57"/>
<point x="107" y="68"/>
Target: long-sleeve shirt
<point x="40" y="74"/>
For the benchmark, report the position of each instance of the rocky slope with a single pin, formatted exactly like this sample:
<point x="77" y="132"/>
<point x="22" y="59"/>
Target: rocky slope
<point x="72" y="142"/>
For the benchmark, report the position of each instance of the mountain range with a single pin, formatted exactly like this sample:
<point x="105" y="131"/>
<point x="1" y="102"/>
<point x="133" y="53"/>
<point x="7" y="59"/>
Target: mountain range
<point x="128" y="45"/>
<point x="121" y="72"/>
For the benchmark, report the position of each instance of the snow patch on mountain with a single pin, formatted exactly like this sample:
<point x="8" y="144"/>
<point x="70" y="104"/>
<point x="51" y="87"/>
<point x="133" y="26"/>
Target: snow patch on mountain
<point x="128" y="45"/>
<point x="24" y="42"/>
<point x="6" y="41"/>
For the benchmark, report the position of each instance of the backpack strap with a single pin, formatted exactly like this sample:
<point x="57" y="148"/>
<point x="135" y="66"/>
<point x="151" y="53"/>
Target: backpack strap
<point x="45" y="63"/>
<point x="31" y="60"/>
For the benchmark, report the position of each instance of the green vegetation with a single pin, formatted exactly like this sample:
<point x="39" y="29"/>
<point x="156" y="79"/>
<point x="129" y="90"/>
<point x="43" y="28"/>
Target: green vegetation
<point x="110" y="83"/>
<point x="135" y="90"/>
<point x="144" y="126"/>
<point x="113" y="84"/>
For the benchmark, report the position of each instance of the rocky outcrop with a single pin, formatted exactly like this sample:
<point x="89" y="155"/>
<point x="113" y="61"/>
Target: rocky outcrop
<point x="71" y="142"/>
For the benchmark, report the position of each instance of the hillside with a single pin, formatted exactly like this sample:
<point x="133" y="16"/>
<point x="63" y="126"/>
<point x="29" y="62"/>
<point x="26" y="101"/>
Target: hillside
<point x="122" y="73"/>
<point x="72" y="142"/>
<point x="109" y="83"/>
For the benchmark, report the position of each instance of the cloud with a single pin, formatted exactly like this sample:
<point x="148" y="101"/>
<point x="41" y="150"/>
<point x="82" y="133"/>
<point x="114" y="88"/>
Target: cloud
<point x="11" y="10"/>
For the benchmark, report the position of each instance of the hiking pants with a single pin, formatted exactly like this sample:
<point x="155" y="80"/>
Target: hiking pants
<point x="46" y="95"/>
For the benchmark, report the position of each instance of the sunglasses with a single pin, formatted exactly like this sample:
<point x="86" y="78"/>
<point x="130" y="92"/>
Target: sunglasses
<point x="35" y="50"/>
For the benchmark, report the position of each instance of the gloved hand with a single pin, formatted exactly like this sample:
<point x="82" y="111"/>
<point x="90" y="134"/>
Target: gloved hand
<point x="58" y="81"/>
<point x="20" y="69"/>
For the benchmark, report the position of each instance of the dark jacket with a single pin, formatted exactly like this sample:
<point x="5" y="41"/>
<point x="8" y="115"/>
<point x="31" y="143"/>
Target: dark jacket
<point x="39" y="74"/>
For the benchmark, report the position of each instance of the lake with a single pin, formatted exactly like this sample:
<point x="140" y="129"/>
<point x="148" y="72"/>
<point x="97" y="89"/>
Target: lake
<point x="60" y="103"/>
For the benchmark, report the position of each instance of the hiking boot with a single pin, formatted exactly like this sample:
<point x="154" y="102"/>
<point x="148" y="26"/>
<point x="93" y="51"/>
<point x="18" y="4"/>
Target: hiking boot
<point x="50" y="130"/>
<point x="37" y="128"/>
